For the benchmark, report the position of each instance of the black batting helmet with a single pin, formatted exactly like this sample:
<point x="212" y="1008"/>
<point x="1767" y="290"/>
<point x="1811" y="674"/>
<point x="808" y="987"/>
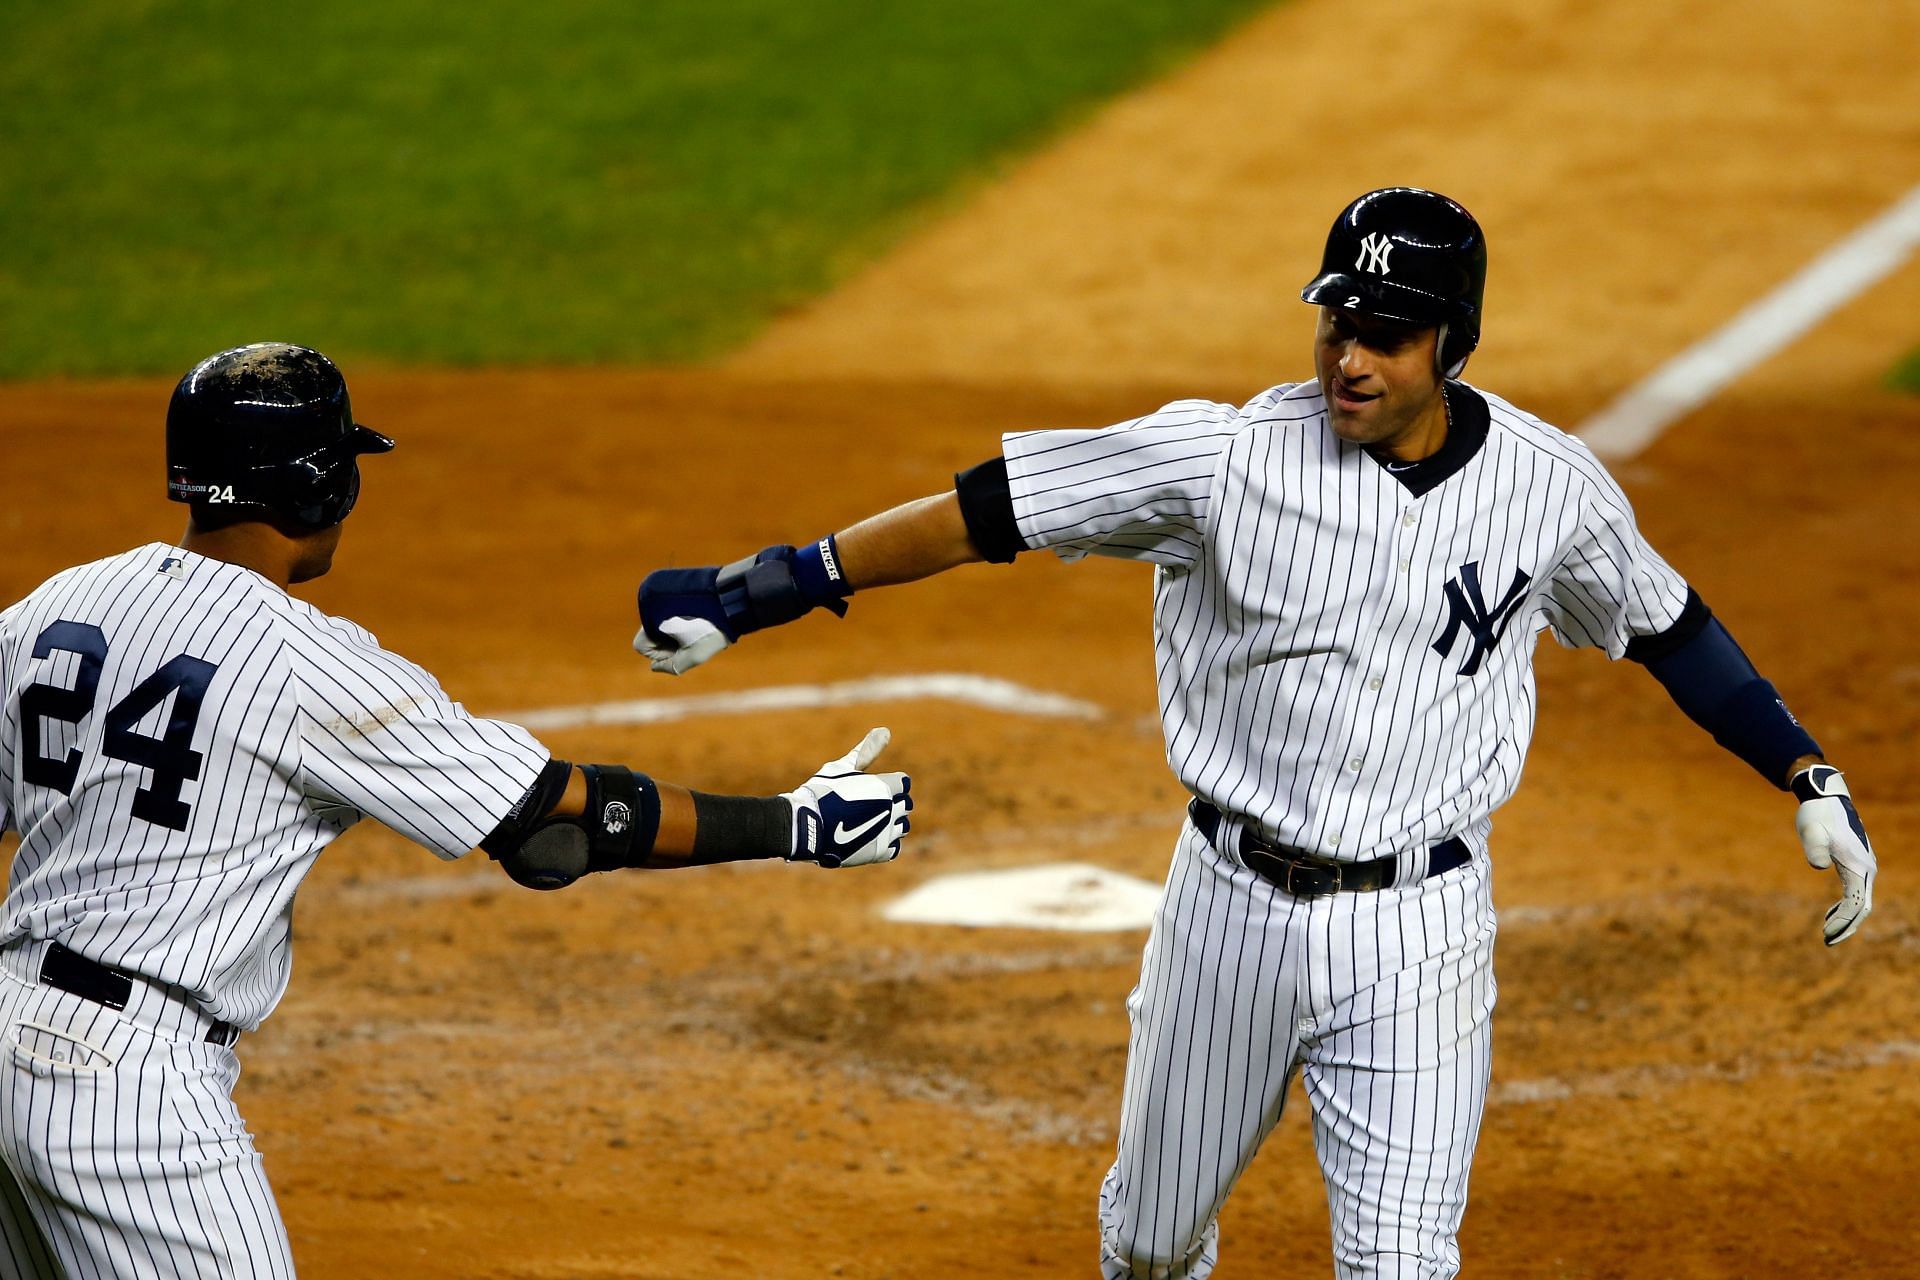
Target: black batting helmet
<point x="1401" y="253"/>
<point x="267" y="428"/>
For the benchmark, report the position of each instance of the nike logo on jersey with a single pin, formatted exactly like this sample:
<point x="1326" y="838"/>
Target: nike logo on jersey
<point x="1467" y="610"/>
<point x="842" y="834"/>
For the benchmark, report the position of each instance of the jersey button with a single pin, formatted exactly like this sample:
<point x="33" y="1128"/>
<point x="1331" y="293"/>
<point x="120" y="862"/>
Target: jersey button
<point x="1409" y="519"/>
<point x="1355" y="763"/>
<point x="1375" y="684"/>
<point x="1405" y="565"/>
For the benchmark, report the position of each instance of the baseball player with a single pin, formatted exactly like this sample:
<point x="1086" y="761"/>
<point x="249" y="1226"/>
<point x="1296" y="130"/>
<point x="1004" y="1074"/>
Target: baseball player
<point x="179" y="739"/>
<point x="1350" y="574"/>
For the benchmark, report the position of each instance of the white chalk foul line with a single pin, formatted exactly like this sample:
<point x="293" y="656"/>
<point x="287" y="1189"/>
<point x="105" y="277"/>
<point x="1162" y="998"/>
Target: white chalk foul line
<point x="978" y="691"/>
<point x="1696" y="375"/>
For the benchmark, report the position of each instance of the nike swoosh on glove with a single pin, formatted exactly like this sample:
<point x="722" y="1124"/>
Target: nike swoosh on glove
<point x="1831" y="832"/>
<point x="845" y="817"/>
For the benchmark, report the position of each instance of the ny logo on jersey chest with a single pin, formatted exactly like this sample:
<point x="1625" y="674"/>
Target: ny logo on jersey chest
<point x="1373" y="254"/>
<point x="1467" y="611"/>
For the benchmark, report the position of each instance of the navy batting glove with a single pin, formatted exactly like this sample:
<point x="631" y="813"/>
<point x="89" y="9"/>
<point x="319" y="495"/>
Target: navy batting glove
<point x="774" y="587"/>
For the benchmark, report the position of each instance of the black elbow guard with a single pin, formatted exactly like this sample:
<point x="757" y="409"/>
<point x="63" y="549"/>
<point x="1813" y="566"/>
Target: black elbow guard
<point x="986" y="504"/>
<point x="617" y="829"/>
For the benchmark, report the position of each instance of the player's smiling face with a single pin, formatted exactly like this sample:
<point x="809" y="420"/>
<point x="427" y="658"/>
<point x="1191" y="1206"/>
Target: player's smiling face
<point x="1378" y="378"/>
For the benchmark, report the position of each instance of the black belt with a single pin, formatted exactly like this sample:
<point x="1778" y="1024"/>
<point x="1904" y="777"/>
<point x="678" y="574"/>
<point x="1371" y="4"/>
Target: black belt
<point x="1306" y="875"/>
<point x="69" y="971"/>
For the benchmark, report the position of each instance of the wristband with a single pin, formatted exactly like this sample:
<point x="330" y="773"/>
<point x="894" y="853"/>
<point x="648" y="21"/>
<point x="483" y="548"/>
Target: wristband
<point x="816" y="571"/>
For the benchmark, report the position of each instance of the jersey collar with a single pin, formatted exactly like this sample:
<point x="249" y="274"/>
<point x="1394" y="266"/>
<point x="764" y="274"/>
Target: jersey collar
<point x="1467" y="425"/>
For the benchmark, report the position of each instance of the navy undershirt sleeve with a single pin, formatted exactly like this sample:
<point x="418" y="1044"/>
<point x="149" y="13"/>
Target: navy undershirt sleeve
<point x="1712" y="680"/>
<point x="986" y="504"/>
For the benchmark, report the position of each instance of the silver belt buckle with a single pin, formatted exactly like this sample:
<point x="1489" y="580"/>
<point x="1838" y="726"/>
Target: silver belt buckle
<point x="1320" y="889"/>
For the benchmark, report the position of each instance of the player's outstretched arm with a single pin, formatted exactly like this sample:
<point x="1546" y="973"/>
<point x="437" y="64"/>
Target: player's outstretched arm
<point x="1712" y="680"/>
<point x="689" y="615"/>
<point x="580" y="819"/>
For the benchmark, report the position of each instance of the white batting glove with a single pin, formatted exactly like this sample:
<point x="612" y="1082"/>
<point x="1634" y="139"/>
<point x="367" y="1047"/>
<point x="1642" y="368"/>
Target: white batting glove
<point x="1830" y="830"/>
<point x="843" y="817"/>
<point x="690" y="642"/>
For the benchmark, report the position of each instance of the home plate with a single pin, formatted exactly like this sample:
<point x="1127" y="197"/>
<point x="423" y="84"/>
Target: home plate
<point x="1060" y="895"/>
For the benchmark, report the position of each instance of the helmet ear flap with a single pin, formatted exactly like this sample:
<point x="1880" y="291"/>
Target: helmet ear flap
<point x="1451" y="349"/>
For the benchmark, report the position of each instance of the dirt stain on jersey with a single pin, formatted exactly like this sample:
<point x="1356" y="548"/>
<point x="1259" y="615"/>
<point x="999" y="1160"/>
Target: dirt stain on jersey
<point x="367" y="723"/>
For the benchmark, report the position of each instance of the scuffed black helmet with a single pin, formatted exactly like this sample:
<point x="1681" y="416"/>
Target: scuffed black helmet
<point x="1404" y="254"/>
<point x="267" y="428"/>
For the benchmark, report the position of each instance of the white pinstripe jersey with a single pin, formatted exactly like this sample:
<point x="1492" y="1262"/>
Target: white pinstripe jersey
<point x="1345" y="661"/>
<point x="179" y="740"/>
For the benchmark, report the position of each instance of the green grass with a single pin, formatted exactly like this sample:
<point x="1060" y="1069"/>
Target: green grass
<point x="1906" y="375"/>
<point x="572" y="181"/>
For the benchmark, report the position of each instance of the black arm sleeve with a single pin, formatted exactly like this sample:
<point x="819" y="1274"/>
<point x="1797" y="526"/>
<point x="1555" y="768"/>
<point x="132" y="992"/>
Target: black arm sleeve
<point x="733" y="828"/>
<point x="986" y="503"/>
<point x="1712" y="680"/>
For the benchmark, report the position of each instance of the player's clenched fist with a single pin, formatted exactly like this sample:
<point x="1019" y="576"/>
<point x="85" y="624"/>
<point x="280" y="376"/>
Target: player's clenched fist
<point x="1833" y="836"/>
<point x="688" y="615"/>
<point x="679" y="645"/>
<point x="844" y="817"/>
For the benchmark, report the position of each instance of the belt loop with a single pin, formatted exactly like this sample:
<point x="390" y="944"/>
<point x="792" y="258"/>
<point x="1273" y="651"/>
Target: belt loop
<point x="1208" y="821"/>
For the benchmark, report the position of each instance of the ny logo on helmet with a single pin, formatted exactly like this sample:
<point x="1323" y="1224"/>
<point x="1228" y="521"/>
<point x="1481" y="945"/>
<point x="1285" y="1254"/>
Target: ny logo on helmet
<point x="1467" y="609"/>
<point x="1373" y="254"/>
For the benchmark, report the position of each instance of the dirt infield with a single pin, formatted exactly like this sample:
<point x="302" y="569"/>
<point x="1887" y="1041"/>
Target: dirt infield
<point x="745" y="1071"/>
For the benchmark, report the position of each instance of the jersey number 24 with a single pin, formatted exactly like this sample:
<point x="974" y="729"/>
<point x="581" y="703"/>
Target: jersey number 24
<point x="170" y="756"/>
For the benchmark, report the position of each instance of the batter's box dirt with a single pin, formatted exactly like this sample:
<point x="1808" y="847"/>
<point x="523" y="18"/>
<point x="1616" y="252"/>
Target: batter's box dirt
<point x="1631" y="985"/>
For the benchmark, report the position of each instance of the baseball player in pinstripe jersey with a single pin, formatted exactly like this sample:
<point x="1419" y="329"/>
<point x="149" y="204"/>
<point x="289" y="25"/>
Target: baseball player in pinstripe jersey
<point x="1350" y="576"/>
<point x="179" y="739"/>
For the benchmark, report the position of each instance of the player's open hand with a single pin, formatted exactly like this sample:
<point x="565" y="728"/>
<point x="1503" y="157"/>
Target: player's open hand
<point x="1830" y="830"/>
<point x="845" y="817"/>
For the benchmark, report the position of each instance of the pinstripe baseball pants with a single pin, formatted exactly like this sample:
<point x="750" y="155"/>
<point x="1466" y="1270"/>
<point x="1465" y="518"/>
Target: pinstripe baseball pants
<point x="1382" y="1001"/>
<point x="121" y="1151"/>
